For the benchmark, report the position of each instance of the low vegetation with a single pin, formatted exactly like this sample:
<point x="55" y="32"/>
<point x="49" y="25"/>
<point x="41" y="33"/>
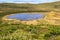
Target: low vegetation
<point x="41" y="31"/>
<point x="28" y="32"/>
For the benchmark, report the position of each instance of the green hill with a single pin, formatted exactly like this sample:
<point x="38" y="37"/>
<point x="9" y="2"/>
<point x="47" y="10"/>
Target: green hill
<point x="30" y="7"/>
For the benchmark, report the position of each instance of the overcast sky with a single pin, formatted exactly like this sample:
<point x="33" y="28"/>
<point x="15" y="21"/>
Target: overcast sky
<point x="27" y="1"/>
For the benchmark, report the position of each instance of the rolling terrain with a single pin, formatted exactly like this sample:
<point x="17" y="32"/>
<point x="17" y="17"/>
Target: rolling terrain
<point x="41" y="31"/>
<point x="30" y="7"/>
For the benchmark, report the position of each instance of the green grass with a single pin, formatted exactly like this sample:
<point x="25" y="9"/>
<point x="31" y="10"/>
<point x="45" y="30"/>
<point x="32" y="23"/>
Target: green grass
<point x="27" y="32"/>
<point x="41" y="31"/>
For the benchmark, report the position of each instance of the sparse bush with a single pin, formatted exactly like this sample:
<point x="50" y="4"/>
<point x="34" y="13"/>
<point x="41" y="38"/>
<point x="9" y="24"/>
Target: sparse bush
<point x="54" y="30"/>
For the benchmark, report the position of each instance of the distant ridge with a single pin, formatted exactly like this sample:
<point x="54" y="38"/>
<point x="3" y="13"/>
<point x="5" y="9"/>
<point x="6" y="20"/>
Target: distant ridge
<point x="51" y="6"/>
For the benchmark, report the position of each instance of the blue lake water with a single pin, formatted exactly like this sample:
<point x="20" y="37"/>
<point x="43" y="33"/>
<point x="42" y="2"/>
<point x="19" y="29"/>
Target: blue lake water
<point x="26" y="16"/>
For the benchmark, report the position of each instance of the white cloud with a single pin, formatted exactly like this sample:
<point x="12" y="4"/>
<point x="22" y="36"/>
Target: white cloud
<point x="57" y="0"/>
<point x="28" y="1"/>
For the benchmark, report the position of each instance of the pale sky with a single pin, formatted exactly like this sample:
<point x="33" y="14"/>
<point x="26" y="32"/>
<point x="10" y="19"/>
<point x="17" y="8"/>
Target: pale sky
<point x="28" y="1"/>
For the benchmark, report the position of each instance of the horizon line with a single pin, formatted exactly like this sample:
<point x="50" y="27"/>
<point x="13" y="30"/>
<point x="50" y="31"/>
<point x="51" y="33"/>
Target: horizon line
<point x="29" y="2"/>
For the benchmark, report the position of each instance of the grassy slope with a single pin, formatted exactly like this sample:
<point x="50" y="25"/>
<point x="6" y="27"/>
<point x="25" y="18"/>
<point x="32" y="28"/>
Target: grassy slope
<point x="27" y="32"/>
<point x="30" y="7"/>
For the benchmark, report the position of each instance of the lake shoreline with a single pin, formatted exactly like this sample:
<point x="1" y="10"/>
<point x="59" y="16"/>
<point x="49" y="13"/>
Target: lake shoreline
<point x="28" y="22"/>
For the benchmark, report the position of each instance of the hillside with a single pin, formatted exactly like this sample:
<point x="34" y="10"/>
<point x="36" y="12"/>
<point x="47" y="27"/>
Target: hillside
<point x="44" y="30"/>
<point x="30" y="7"/>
